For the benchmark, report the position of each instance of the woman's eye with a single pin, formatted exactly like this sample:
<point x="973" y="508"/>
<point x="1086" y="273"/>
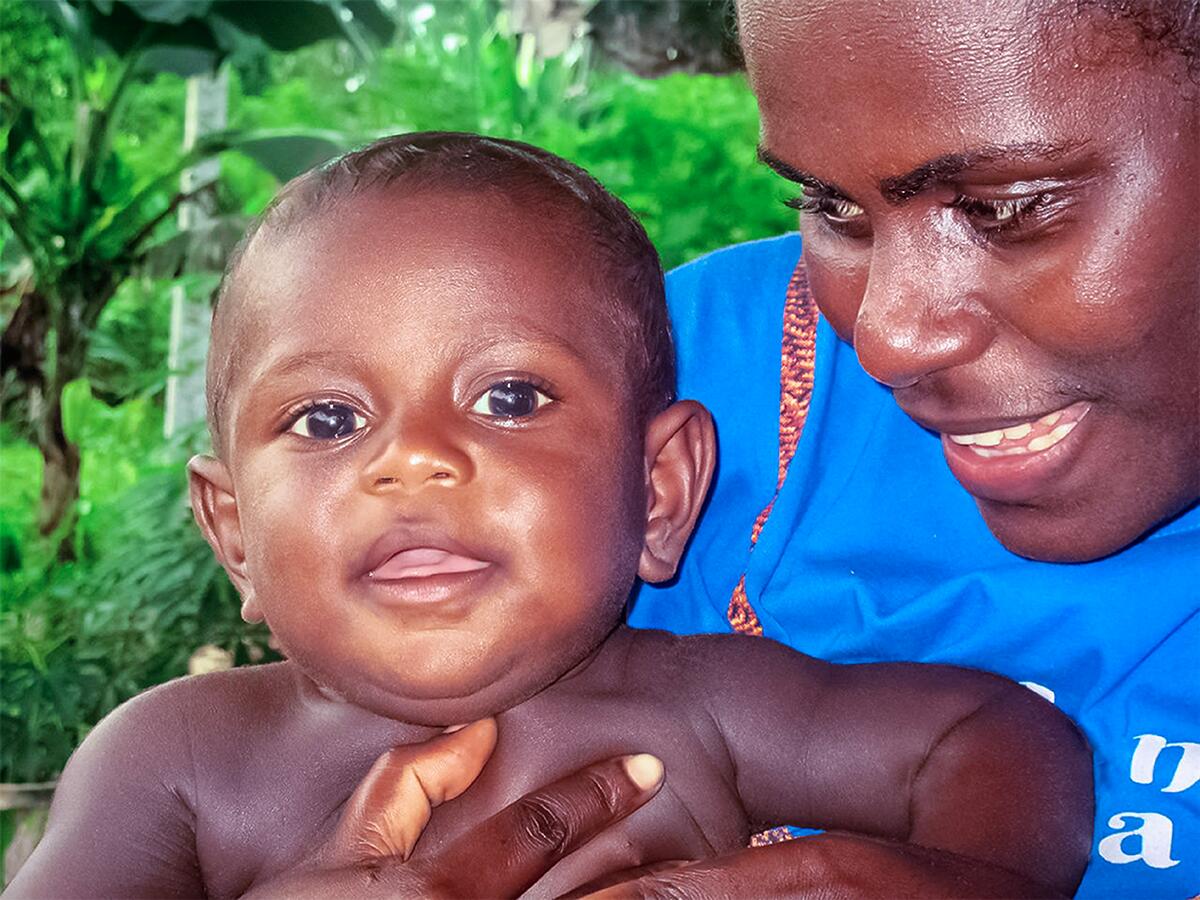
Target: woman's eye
<point x="510" y="400"/>
<point x="841" y="211"/>
<point x="838" y="212"/>
<point x="997" y="215"/>
<point x="328" y="421"/>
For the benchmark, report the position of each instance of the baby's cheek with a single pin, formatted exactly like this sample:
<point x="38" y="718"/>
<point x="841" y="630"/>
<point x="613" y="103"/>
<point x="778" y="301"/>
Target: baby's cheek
<point x="611" y="541"/>
<point x="290" y="541"/>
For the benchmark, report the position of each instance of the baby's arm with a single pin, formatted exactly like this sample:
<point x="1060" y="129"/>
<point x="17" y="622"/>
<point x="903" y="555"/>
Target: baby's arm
<point x="940" y="761"/>
<point x="121" y="824"/>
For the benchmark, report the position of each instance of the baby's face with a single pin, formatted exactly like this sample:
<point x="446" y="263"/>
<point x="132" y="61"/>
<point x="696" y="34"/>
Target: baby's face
<point x="438" y="475"/>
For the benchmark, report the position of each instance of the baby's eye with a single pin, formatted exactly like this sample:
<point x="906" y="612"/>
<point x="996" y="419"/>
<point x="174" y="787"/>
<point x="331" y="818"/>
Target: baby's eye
<point x="511" y="399"/>
<point x="327" y="421"/>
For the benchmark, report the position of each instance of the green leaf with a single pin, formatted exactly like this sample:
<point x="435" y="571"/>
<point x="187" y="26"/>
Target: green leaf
<point x="169" y="12"/>
<point x="369" y="16"/>
<point x="284" y="24"/>
<point x="63" y="16"/>
<point x="182" y="61"/>
<point x="286" y="155"/>
<point x="76" y="403"/>
<point x="22" y="132"/>
<point x="119" y="30"/>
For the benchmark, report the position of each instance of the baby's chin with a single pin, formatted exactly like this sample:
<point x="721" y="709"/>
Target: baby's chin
<point x="437" y="705"/>
<point x="438" y="680"/>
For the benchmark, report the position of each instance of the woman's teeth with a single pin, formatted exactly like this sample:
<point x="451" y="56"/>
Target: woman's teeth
<point x="1027" y="437"/>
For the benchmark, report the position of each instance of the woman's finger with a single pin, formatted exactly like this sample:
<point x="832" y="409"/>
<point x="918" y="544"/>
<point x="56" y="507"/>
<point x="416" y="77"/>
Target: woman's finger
<point x="504" y="855"/>
<point x="391" y="806"/>
<point x="829" y="866"/>
<point x="625" y="876"/>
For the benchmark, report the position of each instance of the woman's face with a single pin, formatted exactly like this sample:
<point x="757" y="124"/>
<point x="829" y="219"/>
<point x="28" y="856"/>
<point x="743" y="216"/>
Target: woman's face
<point x="1002" y="214"/>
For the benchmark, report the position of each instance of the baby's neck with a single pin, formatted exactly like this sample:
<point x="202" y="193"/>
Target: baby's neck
<point x="323" y="703"/>
<point x="326" y="704"/>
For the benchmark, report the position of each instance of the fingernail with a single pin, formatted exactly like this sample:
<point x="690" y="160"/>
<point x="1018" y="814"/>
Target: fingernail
<point x="454" y="728"/>
<point x="644" y="770"/>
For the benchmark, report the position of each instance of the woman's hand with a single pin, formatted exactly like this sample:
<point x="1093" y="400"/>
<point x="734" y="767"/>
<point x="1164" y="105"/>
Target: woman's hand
<point x="821" y="867"/>
<point x="500" y="857"/>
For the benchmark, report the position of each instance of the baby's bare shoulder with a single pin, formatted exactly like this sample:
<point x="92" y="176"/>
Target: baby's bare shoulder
<point x="177" y="719"/>
<point x="729" y="668"/>
<point x="126" y="810"/>
<point x="703" y="659"/>
<point x="244" y="691"/>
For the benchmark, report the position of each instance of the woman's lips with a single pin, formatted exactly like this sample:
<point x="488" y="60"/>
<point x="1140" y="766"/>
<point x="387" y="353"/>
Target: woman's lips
<point x="424" y="562"/>
<point x="1033" y="436"/>
<point x="1020" y="461"/>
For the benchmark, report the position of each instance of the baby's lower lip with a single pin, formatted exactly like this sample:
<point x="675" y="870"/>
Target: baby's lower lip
<point x="425" y="562"/>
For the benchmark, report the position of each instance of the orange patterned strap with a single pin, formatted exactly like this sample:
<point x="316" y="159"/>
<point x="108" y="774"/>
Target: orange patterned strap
<point x="771" y="836"/>
<point x="797" y="361"/>
<point x="796" y="367"/>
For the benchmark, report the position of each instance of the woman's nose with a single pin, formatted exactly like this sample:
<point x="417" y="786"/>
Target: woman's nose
<point x="918" y="318"/>
<point x="416" y="458"/>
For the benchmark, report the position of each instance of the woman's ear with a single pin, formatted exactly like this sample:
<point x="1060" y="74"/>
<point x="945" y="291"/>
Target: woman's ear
<point x="680" y="453"/>
<point x="214" y="505"/>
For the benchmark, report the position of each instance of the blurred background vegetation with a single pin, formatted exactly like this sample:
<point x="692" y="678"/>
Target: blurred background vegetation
<point x="107" y="587"/>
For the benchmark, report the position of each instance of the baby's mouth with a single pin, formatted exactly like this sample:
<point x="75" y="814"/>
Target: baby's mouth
<point x="423" y="562"/>
<point x="1023" y="438"/>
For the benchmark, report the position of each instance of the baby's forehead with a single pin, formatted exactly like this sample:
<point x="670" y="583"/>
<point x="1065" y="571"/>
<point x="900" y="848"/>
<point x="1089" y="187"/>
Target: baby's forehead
<point x="469" y="260"/>
<point x="427" y="233"/>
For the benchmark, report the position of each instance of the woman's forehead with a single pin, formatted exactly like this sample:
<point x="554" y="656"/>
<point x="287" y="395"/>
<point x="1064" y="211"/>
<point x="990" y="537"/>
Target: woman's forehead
<point x="881" y="89"/>
<point x="880" y="52"/>
<point x="921" y="24"/>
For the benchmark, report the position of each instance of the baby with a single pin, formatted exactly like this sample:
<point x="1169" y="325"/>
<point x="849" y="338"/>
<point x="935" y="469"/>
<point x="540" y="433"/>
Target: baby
<point x="446" y="443"/>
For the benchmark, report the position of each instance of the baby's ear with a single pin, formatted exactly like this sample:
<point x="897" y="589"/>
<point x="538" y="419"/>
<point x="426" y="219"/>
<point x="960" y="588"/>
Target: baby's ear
<point x="214" y="505"/>
<point x="681" y="450"/>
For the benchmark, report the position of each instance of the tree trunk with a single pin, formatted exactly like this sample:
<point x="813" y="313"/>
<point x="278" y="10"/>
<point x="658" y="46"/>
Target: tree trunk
<point x="65" y="362"/>
<point x="60" y="472"/>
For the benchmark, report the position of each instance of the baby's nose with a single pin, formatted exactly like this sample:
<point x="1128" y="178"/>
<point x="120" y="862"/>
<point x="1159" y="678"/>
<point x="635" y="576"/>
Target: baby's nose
<point x="411" y="465"/>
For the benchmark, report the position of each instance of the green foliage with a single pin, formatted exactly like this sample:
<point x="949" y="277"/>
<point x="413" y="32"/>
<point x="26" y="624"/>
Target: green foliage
<point x="667" y="147"/>
<point x="127" y="356"/>
<point x="75" y="202"/>
<point x="143" y="593"/>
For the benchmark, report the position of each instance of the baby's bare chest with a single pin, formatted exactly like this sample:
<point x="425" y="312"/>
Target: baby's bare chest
<point x="696" y="814"/>
<point x="287" y="811"/>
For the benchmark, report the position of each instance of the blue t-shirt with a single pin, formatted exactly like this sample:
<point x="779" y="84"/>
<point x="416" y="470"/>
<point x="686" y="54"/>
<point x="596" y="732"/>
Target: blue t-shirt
<point x="874" y="552"/>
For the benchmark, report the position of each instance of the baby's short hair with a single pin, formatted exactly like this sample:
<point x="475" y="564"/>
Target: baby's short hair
<point x="635" y="301"/>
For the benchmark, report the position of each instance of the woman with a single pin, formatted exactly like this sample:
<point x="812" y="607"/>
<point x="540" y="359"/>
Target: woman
<point x="1001" y="219"/>
<point x="1001" y="215"/>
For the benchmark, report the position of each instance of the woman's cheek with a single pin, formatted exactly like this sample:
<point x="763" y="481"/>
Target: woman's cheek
<point x="837" y="285"/>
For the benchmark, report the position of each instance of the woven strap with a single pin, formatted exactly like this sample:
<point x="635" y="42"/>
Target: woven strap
<point x="797" y="359"/>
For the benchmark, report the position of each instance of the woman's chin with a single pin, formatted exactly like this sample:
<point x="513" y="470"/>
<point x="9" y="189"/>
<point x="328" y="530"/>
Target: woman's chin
<point x="1046" y="535"/>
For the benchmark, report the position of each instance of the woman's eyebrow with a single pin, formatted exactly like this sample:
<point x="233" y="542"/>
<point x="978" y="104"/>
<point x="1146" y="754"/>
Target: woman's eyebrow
<point x="791" y="173"/>
<point x="898" y="188"/>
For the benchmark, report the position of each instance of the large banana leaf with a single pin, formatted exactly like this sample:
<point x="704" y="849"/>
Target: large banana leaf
<point x="190" y="36"/>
